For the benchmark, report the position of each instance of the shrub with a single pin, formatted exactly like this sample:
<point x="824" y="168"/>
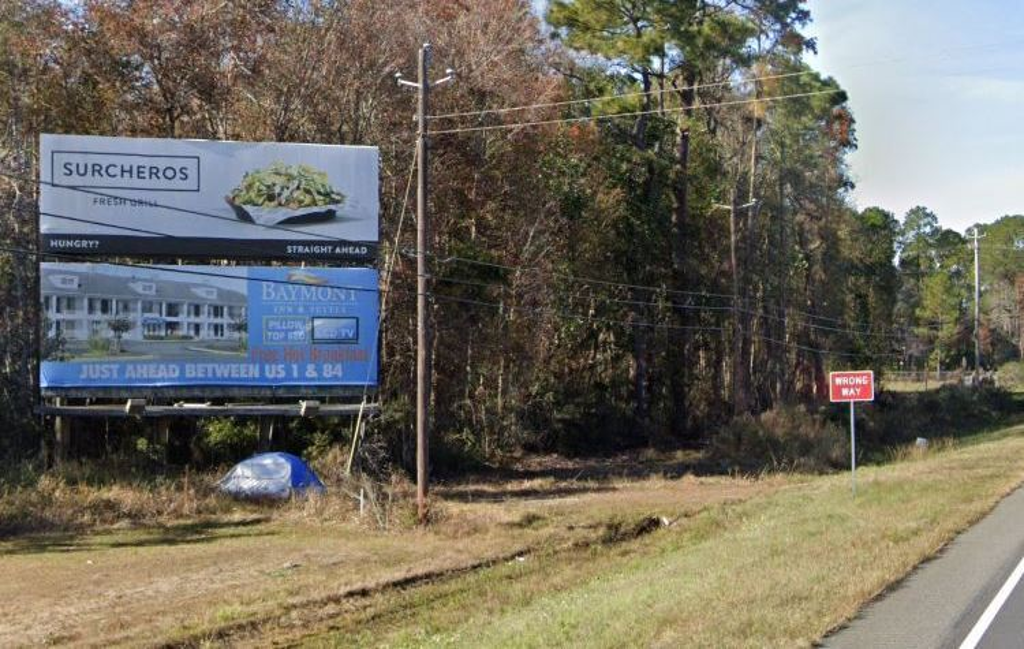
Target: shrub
<point x="787" y="438"/>
<point x="950" y="411"/>
<point x="1011" y="376"/>
<point x="226" y="440"/>
<point x="98" y="345"/>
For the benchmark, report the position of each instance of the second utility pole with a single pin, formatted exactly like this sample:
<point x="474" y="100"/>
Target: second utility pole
<point x="977" y="308"/>
<point x="423" y="369"/>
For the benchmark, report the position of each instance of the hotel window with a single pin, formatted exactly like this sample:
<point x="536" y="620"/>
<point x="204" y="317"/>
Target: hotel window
<point x="173" y="310"/>
<point x="217" y="330"/>
<point x="124" y="307"/>
<point x="65" y="281"/>
<point x="150" y="308"/>
<point x="146" y="288"/>
<point x="195" y="310"/>
<point x="66" y="304"/>
<point x="216" y="311"/>
<point x="99" y="306"/>
<point x="47" y="302"/>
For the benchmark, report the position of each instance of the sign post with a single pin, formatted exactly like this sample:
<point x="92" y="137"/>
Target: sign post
<point x="852" y="387"/>
<point x="853" y="451"/>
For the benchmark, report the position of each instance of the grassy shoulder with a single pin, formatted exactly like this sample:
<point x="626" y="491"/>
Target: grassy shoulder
<point x="557" y="552"/>
<point x="137" y="564"/>
<point x="780" y="569"/>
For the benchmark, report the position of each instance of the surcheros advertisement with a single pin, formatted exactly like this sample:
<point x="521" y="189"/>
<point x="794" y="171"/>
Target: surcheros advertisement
<point x="197" y="198"/>
<point x="262" y="329"/>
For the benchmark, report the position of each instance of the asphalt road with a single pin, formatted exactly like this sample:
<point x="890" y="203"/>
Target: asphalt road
<point x="950" y="598"/>
<point x="1006" y="628"/>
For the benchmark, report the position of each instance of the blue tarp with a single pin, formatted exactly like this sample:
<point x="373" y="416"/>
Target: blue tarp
<point x="270" y="475"/>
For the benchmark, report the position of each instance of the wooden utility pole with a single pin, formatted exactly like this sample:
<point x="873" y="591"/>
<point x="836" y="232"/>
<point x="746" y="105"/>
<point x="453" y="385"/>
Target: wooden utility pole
<point x="739" y="387"/>
<point x="423" y="368"/>
<point x="977" y="307"/>
<point x="1019" y="314"/>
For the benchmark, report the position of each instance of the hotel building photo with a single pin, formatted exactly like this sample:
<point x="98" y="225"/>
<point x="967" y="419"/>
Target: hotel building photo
<point x="80" y="301"/>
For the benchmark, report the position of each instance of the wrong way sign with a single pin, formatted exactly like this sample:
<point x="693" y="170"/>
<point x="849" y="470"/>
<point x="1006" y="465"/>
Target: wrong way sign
<point x="851" y="386"/>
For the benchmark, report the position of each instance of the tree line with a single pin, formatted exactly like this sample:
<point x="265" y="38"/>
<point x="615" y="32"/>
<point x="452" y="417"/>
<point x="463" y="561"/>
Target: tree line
<point x="609" y="272"/>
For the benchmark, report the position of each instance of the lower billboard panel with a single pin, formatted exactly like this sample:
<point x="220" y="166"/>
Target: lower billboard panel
<point x="207" y="330"/>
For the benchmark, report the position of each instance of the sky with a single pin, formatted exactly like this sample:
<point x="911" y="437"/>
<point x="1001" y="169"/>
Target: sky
<point x="937" y="89"/>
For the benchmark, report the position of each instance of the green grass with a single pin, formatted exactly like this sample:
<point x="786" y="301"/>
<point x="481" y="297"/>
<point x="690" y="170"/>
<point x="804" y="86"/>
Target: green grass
<point x="916" y="386"/>
<point x="775" y="571"/>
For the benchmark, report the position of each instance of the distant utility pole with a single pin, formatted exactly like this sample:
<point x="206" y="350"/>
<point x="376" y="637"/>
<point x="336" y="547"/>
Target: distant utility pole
<point x="423" y="369"/>
<point x="977" y="306"/>
<point x="737" y="330"/>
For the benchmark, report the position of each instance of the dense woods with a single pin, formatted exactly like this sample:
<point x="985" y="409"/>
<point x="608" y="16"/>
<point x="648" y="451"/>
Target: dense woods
<point x="600" y="281"/>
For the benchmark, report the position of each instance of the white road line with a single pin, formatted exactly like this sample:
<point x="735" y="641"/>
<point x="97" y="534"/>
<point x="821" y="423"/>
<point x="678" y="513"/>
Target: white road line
<point x="974" y="637"/>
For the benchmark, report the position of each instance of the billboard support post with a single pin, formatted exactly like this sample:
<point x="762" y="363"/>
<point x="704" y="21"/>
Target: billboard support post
<point x="62" y="436"/>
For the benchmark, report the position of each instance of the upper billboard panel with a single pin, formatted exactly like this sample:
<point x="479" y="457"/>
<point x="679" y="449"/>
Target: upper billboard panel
<point x="197" y="198"/>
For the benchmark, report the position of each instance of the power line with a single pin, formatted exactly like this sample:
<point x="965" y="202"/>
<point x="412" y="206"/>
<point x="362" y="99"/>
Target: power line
<point x="941" y="53"/>
<point x="185" y="271"/>
<point x="696" y="307"/>
<point x="996" y="246"/>
<point x="175" y="208"/>
<point x="589" y="100"/>
<point x="587" y="118"/>
<point x="238" y="244"/>
<point x="443" y="297"/>
<point x="565" y="315"/>
<point x="850" y="327"/>
<point x="661" y="326"/>
<point x="241" y="245"/>
<point x="389" y="268"/>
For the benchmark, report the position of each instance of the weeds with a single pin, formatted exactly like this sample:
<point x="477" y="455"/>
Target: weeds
<point x="63" y="501"/>
<point x="784" y="439"/>
<point x="88" y="495"/>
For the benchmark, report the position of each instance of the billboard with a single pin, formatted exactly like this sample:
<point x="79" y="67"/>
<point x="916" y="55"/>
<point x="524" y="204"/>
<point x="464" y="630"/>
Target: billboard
<point x="224" y="330"/>
<point x="198" y="198"/>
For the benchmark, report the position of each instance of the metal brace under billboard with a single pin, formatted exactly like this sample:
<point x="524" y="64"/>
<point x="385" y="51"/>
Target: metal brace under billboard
<point x="195" y="198"/>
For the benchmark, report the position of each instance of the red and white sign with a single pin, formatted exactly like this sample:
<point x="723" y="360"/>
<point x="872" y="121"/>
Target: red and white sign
<point x="851" y="386"/>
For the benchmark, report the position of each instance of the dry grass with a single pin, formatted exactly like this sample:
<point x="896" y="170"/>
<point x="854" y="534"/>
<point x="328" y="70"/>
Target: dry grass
<point x="93" y="497"/>
<point x="916" y="386"/>
<point x="245" y="570"/>
<point x="55" y="502"/>
<point x="552" y="553"/>
<point x="776" y="570"/>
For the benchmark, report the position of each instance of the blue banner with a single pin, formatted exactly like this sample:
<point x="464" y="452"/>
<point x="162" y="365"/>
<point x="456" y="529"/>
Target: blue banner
<point x="206" y="326"/>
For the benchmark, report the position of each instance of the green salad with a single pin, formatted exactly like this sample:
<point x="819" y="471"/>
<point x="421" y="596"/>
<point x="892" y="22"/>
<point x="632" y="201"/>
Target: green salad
<point x="288" y="186"/>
